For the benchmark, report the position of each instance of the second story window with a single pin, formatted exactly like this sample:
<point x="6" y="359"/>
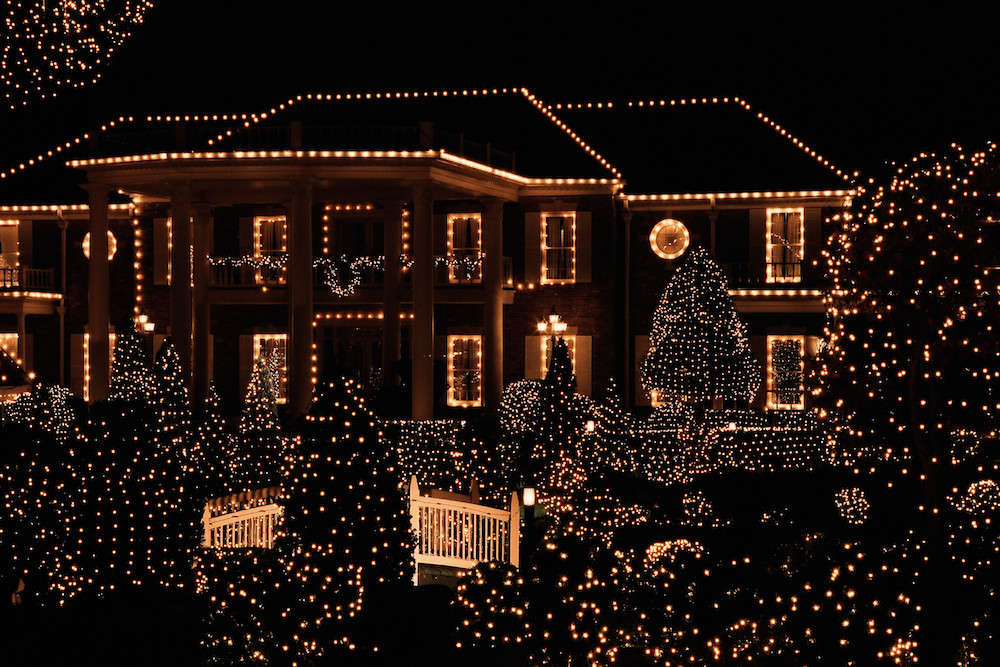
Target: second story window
<point x="558" y="248"/>
<point x="784" y="245"/>
<point x="270" y="241"/>
<point x="465" y="243"/>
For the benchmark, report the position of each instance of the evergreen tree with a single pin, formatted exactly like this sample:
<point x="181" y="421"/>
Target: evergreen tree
<point x="346" y="526"/>
<point x="260" y="446"/>
<point x="556" y="468"/>
<point x="210" y="465"/>
<point x="698" y="348"/>
<point x="910" y="373"/>
<point x="130" y="378"/>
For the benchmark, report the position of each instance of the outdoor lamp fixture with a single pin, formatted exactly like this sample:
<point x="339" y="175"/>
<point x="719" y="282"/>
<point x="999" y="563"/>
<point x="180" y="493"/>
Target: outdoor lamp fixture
<point x="552" y="326"/>
<point x="145" y="324"/>
<point x="528" y="496"/>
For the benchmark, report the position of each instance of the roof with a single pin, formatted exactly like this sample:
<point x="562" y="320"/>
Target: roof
<point x="710" y="145"/>
<point x="700" y="145"/>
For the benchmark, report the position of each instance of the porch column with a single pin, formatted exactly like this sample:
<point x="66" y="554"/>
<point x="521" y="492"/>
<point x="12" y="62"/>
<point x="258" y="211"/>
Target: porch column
<point x="300" y="299"/>
<point x="180" y="276"/>
<point x="390" y="287"/>
<point x="97" y="293"/>
<point x="22" y="342"/>
<point x="422" y="337"/>
<point x="200" y="370"/>
<point x="493" y="303"/>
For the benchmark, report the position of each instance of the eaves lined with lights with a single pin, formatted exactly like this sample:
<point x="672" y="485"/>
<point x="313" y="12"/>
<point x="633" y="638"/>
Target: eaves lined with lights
<point x="549" y="111"/>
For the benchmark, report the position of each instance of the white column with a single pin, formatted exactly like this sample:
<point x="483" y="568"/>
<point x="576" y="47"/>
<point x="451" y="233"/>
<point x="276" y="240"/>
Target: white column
<point x="98" y="325"/>
<point x="180" y="276"/>
<point x="493" y="303"/>
<point x="422" y="337"/>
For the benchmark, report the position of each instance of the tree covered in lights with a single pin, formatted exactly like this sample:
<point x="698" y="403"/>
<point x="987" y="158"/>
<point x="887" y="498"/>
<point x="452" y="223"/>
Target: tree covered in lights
<point x="211" y="455"/>
<point x="698" y="347"/>
<point x="130" y="377"/>
<point x="346" y="526"/>
<point x="912" y="366"/>
<point x="259" y="444"/>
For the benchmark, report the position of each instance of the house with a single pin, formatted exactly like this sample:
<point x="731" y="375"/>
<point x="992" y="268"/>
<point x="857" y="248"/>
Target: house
<point x="412" y="239"/>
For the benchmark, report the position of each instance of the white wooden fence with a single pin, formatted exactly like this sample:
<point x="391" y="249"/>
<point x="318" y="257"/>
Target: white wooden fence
<point x="460" y="534"/>
<point x="251" y="526"/>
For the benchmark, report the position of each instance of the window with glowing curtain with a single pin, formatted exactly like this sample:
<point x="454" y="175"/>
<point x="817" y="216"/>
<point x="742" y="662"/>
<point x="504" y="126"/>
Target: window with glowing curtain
<point x="270" y="242"/>
<point x="273" y="347"/>
<point x="465" y="378"/>
<point x="784" y="245"/>
<point x="558" y="248"/>
<point x="8" y="254"/>
<point x="785" y="390"/>
<point x="465" y="243"/>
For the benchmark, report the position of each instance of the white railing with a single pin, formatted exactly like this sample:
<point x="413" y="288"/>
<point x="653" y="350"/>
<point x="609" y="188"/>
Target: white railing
<point x="253" y="526"/>
<point x="460" y="534"/>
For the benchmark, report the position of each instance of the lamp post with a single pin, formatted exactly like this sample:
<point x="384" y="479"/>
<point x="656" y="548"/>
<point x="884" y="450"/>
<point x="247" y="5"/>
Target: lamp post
<point x="552" y="325"/>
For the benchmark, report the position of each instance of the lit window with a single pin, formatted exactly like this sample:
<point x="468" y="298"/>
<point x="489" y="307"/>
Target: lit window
<point x="465" y="378"/>
<point x="784" y="245"/>
<point x="273" y="348"/>
<point x="9" y="273"/>
<point x="270" y="242"/>
<point x="546" y="343"/>
<point x="558" y="248"/>
<point x="8" y="343"/>
<point x="465" y="243"/>
<point x="785" y="389"/>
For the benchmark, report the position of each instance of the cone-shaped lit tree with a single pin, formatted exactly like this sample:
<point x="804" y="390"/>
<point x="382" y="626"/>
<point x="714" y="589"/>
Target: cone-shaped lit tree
<point x="698" y="348"/>
<point x="260" y="446"/>
<point x="346" y="526"/>
<point x="130" y="378"/>
<point x="210" y="464"/>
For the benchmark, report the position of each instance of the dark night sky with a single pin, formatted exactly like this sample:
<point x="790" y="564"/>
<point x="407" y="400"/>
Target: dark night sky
<point x="860" y="86"/>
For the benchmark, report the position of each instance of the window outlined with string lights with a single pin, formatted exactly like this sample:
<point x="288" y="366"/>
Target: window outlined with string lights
<point x="270" y="242"/>
<point x="274" y="348"/>
<point x="785" y="372"/>
<point x="465" y="247"/>
<point x="465" y="371"/>
<point x="784" y="245"/>
<point x="558" y="248"/>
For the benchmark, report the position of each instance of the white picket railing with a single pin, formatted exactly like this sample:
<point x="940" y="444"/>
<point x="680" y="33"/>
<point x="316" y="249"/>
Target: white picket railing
<point x="252" y="526"/>
<point x="460" y="534"/>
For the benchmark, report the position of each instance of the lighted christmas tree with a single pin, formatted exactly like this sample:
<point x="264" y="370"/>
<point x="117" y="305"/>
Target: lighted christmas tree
<point x="130" y="376"/>
<point x="346" y="527"/>
<point x="698" y="348"/>
<point x="555" y="466"/>
<point x="259" y="445"/>
<point x="211" y="457"/>
<point x="911" y="369"/>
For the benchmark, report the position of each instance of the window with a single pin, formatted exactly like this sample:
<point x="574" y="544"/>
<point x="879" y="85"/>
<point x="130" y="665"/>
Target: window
<point x="270" y="243"/>
<point x="465" y="378"/>
<point x="465" y="244"/>
<point x="8" y="343"/>
<point x="785" y="390"/>
<point x="8" y="254"/>
<point x="784" y="245"/>
<point x="558" y="248"/>
<point x="358" y="240"/>
<point x="273" y="347"/>
<point x="546" y="343"/>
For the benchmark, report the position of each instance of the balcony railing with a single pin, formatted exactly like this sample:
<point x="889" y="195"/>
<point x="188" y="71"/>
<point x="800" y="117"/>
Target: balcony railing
<point x="22" y="277"/>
